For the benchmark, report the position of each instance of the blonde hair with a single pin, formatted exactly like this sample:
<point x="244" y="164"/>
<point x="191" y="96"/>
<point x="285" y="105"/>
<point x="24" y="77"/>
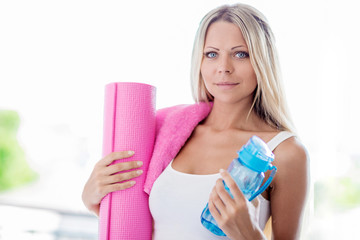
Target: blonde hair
<point x="269" y="100"/>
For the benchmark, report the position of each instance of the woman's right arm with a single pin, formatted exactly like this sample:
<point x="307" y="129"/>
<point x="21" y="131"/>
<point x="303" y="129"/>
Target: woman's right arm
<point x="107" y="177"/>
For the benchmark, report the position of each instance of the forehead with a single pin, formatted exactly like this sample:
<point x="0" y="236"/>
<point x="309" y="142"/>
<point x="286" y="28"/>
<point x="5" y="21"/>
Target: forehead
<point x="224" y="33"/>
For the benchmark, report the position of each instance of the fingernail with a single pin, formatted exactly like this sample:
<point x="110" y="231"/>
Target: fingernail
<point x="132" y="183"/>
<point x="222" y="170"/>
<point x="131" y="152"/>
<point x="139" y="163"/>
<point x="139" y="172"/>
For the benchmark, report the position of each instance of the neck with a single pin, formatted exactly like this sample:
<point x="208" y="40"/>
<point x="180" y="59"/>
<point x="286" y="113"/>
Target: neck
<point x="225" y="116"/>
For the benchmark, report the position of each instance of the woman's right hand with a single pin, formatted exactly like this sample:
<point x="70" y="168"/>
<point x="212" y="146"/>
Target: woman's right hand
<point x="107" y="177"/>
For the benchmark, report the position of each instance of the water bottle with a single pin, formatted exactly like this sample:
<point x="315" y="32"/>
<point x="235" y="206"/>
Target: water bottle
<point x="254" y="158"/>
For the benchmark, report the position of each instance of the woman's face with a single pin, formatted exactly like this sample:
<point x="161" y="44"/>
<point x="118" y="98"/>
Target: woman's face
<point x="226" y="68"/>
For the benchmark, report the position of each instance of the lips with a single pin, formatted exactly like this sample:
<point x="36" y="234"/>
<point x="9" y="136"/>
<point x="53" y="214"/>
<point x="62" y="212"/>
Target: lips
<point x="226" y="85"/>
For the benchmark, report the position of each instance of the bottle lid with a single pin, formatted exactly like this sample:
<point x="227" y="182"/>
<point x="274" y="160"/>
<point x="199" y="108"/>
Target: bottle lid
<point x="256" y="155"/>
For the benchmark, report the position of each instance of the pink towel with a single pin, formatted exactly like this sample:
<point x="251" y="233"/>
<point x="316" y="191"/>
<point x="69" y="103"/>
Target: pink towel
<point x="129" y="124"/>
<point x="174" y="126"/>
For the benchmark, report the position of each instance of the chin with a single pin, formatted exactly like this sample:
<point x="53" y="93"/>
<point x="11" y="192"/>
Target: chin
<point x="231" y="99"/>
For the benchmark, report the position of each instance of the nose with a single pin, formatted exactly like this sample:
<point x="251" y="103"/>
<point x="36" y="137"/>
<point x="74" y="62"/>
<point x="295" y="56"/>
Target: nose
<point x="225" y="65"/>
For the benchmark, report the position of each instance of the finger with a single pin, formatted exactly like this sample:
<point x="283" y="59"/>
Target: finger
<point x="214" y="211"/>
<point x="120" y="177"/>
<point x="222" y="193"/>
<point x="108" y="159"/>
<point x="124" y="166"/>
<point x="119" y="186"/>
<point x="234" y="189"/>
<point x="217" y="201"/>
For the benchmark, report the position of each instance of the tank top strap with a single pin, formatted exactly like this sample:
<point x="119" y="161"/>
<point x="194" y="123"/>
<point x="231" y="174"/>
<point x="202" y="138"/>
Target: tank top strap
<point x="279" y="138"/>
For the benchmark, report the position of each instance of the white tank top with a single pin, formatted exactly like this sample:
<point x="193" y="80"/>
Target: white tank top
<point x="177" y="200"/>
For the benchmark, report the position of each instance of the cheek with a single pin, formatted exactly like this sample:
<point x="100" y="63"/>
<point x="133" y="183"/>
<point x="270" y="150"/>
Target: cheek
<point x="251" y="84"/>
<point x="203" y="71"/>
<point x="206" y="79"/>
<point x="250" y="75"/>
<point x="254" y="79"/>
<point x="204" y="74"/>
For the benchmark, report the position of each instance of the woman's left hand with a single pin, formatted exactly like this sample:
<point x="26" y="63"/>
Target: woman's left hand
<point x="237" y="217"/>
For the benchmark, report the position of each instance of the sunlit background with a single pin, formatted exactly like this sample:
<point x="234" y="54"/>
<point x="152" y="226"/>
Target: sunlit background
<point x="57" y="56"/>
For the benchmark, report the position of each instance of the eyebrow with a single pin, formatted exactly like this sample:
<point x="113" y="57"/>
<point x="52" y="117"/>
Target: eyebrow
<point x="238" y="47"/>
<point x="217" y="49"/>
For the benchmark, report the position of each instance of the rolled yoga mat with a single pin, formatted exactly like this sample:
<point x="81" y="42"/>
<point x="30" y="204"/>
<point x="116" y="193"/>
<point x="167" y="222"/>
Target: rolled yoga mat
<point x="129" y="124"/>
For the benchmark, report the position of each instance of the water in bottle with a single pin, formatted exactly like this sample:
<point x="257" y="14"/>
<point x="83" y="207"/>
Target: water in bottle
<point x="254" y="158"/>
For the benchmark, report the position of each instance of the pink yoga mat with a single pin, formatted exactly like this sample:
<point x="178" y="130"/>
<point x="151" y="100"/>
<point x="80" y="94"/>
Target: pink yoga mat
<point x="129" y="124"/>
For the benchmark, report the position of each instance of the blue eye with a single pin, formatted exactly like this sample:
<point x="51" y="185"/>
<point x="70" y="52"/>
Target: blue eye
<point x="242" y="55"/>
<point x="211" y="54"/>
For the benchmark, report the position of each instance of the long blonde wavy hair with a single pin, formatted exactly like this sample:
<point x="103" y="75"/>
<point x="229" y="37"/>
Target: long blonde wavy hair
<point x="269" y="99"/>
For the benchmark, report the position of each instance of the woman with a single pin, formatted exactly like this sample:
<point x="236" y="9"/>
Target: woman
<point x="237" y="87"/>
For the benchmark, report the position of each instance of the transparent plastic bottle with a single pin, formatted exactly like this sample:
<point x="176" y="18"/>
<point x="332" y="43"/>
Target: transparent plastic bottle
<point x="254" y="158"/>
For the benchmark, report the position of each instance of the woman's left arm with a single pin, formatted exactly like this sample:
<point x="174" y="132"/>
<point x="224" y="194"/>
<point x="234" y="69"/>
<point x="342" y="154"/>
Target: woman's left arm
<point x="289" y="189"/>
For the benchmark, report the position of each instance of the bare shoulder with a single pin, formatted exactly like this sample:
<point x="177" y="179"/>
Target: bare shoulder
<point x="290" y="188"/>
<point x="291" y="152"/>
<point x="292" y="162"/>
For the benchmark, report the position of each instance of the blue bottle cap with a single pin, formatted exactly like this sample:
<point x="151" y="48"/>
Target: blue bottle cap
<point x="256" y="155"/>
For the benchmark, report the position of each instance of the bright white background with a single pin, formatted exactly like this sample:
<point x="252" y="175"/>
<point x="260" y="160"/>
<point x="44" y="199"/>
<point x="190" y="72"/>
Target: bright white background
<point x="56" y="57"/>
